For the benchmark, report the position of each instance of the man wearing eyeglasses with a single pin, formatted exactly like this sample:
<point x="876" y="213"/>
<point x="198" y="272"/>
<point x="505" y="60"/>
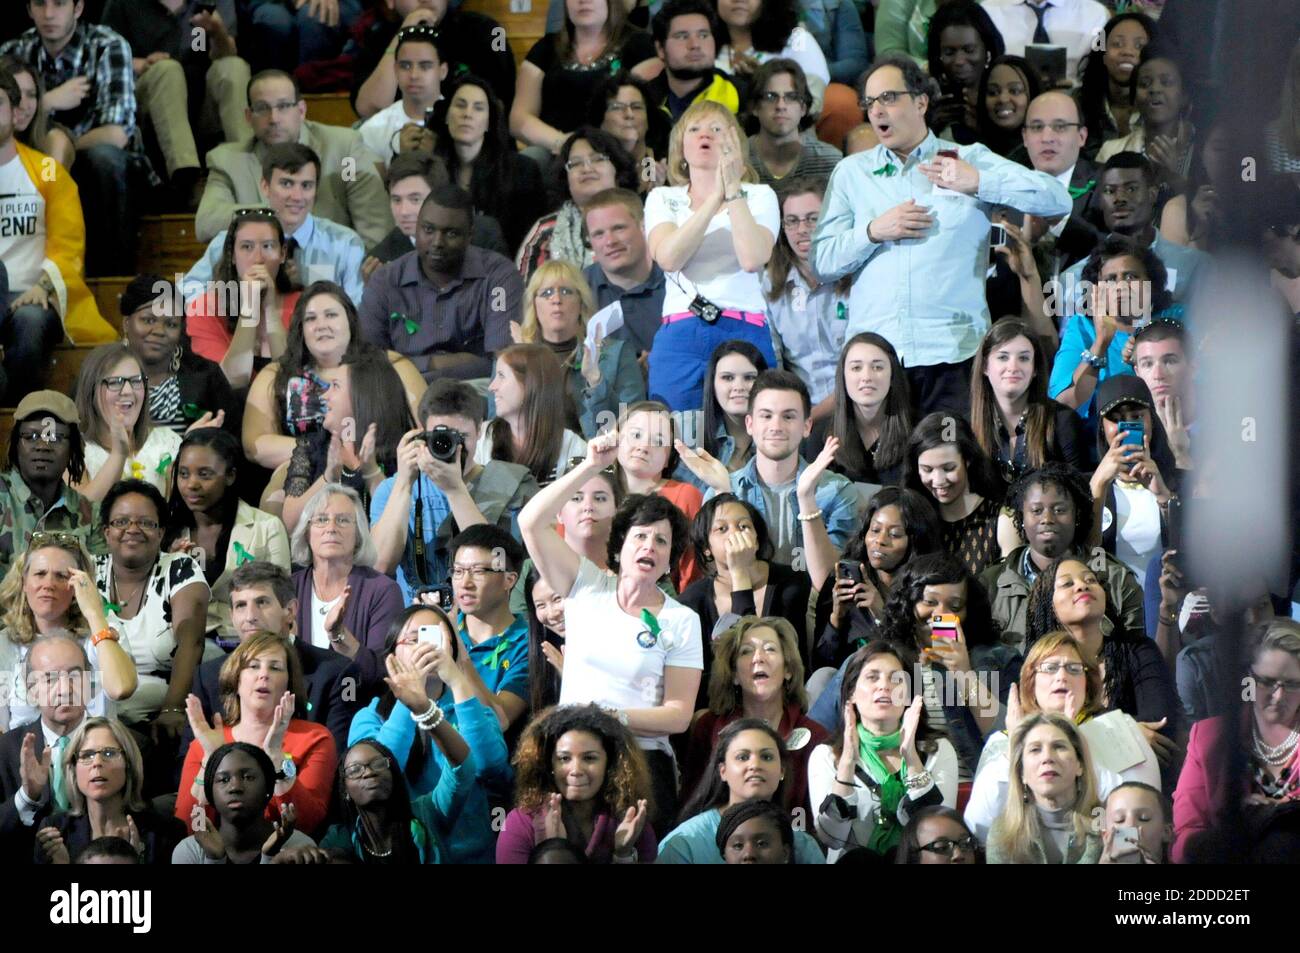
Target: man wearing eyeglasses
<point x="1054" y="135"/>
<point x="910" y="220"/>
<point x="350" y="191"/>
<point x="31" y="780"/>
<point x="485" y="564"/>
<point x="785" y="147"/>
<point x="44" y="444"/>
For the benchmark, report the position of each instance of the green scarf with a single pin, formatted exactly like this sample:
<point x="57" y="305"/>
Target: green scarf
<point x="887" y="832"/>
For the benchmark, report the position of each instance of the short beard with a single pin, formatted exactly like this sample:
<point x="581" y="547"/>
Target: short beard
<point x="684" y="75"/>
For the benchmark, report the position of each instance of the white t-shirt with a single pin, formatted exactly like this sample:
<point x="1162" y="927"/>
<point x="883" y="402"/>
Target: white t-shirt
<point x="612" y="658"/>
<point x="149" y="631"/>
<point x="379" y="132"/>
<point x="22" y="226"/>
<point x="1137" y="539"/>
<point x="713" y="271"/>
<point x="163" y="446"/>
<point x="319" y="610"/>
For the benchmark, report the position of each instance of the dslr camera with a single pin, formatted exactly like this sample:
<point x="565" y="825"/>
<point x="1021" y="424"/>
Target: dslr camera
<point x="443" y="443"/>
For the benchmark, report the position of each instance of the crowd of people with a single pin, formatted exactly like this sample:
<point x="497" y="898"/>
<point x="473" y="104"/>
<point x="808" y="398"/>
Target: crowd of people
<point x="746" y="431"/>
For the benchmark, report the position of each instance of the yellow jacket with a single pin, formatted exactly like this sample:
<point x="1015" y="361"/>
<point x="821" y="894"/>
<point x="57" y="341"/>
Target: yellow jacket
<point x="65" y="249"/>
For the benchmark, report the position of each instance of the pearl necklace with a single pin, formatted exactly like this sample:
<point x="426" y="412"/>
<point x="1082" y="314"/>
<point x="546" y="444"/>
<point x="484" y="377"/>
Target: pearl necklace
<point x="374" y="853"/>
<point x="1275" y="754"/>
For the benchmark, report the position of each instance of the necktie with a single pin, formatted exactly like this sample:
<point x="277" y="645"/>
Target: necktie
<point x="56" y="774"/>
<point x="291" y="257"/>
<point x="1040" y="31"/>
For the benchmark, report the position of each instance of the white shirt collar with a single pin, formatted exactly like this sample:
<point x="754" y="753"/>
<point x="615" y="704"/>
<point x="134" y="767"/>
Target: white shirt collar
<point x="52" y="739"/>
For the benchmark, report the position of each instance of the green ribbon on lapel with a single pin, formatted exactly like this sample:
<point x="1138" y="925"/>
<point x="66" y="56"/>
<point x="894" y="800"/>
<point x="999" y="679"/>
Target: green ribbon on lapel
<point x="650" y="622"/>
<point x="411" y="325"/>
<point x="1078" y="191"/>
<point x="163" y="464"/>
<point x="191" y="411"/>
<point x="888" y="169"/>
<point x="242" y="555"/>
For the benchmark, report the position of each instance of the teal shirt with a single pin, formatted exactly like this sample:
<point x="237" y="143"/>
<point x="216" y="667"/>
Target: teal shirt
<point x="695" y="842"/>
<point x="502" y="660"/>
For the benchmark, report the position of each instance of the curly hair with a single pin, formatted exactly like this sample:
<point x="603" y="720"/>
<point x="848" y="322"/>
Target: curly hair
<point x="1066" y="479"/>
<point x="642" y="509"/>
<point x="936" y="569"/>
<point x="724" y="693"/>
<point x="627" y="778"/>
<point x="1121" y="246"/>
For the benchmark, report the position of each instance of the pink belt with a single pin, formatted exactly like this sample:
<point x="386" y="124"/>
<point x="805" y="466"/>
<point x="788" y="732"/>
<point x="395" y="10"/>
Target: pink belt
<point x="749" y="317"/>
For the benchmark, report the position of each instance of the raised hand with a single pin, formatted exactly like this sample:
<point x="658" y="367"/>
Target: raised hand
<point x="282" y="830"/>
<point x="88" y="599"/>
<point x="334" y="620"/>
<point x="742" y="552"/>
<point x="128" y="832"/>
<point x="119" y="433"/>
<point x="907" y="739"/>
<point x="334" y="459"/>
<point x="210" y="842"/>
<point x="591" y="360"/>
<point x="553" y="817"/>
<point x="1146" y="472"/>
<point x="952" y="654"/>
<point x="907" y="220"/>
<point x="705" y="466"/>
<point x="34" y="769"/>
<point x="407" y="683"/>
<point x="51" y="842"/>
<point x="602" y="449"/>
<point x="813" y="472"/>
<point x="209" y="419"/>
<point x="629" y="831"/>
<point x="408" y="455"/>
<point x="1015" y="714"/>
<point x="849" y="750"/>
<point x="1017" y="253"/>
<point x="554" y="656"/>
<point x="209" y="736"/>
<point x="1170" y="411"/>
<point x="1173" y="586"/>
<point x="273" y="743"/>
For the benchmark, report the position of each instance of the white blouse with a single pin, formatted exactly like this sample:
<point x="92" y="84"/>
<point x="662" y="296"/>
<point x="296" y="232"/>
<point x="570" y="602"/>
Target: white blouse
<point x="152" y="464"/>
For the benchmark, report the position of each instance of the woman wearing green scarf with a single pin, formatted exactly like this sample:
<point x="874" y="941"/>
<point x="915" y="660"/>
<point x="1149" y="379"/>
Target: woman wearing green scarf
<point x="886" y="764"/>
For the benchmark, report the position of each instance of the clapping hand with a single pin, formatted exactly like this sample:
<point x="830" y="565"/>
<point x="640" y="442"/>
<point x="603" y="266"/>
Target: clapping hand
<point x="907" y="733"/>
<point x="629" y="831"/>
<point x="553" y="818"/>
<point x="706" y="466"/>
<point x="34" y="770"/>
<point x="51" y="842"/>
<point x="282" y="831"/>
<point x="209" y="419"/>
<point x="209" y="736"/>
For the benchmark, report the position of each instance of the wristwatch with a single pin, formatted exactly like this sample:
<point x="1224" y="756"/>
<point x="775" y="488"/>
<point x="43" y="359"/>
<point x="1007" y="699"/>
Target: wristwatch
<point x="1093" y="360"/>
<point x="288" y="770"/>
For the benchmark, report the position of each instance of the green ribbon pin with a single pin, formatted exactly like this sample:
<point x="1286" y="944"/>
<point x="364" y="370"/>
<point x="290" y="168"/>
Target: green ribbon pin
<point x="650" y="622"/>
<point x="242" y="555"/>
<point x="841" y="312"/>
<point x="112" y="606"/>
<point x="163" y="464"/>
<point x="191" y="411"/>
<point x="1081" y="190"/>
<point x="615" y="65"/>
<point x="411" y="325"/>
<point x="888" y="169"/>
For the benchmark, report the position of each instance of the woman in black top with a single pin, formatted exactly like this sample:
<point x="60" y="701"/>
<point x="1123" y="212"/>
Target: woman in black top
<point x="1006" y="89"/>
<point x="1105" y="96"/>
<point x="872" y="414"/>
<point x="961" y="43"/>
<point x="182" y="386"/>
<point x="562" y="69"/>
<point x="732" y="545"/>
<point x="469" y="123"/>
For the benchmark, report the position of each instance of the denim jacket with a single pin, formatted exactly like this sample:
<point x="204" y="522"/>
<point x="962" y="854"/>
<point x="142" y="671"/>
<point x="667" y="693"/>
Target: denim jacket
<point x="836" y="25"/>
<point x="836" y="498"/>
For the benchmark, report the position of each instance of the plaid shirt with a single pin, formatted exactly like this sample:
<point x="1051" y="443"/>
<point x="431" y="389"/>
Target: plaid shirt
<point x="97" y="53"/>
<point x="22" y="513"/>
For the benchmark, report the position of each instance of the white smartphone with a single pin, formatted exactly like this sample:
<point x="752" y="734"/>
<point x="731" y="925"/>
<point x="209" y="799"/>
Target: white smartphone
<point x="1124" y="846"/>
<point x="430" y="635"/>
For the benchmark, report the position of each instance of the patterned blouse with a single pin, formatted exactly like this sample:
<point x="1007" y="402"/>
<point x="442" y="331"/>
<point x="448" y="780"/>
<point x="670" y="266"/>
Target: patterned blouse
<point x="973" y="540"/>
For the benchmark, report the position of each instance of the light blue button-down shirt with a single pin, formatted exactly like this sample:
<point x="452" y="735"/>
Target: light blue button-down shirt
<point x="327" y="251"/>
<point x="808" y="331"/>
<point x="924" y="295"/>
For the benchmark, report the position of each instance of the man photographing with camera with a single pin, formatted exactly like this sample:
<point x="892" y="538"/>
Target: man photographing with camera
<point x="438" y="489"/>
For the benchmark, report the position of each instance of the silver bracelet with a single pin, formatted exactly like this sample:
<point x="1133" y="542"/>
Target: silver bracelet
<point x="917" y="782"/>
<point x="431" y="719"/>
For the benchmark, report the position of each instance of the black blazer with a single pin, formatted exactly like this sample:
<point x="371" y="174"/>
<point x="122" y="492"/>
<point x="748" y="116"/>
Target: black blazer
<point x="15" y="839"/>
<point x="1086" y="226"/>
<point x="158" y="834"/>
<point x="333" y="691"/>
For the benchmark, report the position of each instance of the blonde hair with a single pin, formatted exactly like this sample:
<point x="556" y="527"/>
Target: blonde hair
<point x="1018" y="831"/>
<point x="18" y="616"/>
<point x="132" y="789"/>
<point x="556" y="270"/>
<point x="679" y="173"/>
<point x="1046" y="646"/>
<point x="724" y="694"/>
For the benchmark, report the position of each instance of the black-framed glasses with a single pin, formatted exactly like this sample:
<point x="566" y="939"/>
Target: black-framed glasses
<point x="1266" y="684"/>
<point x="118" y="384"/>
<point x="358" y="769"/>
<point x="1060" y="127"/>
<point x="87" y="755"/>
<point x="145" y="523"/>
<point x="792" y="96"/>
<point x="563" y="291"/>
<point x="1071" y="668"/>
<point x="946" y="846"/>
<point x="887" y="98"/>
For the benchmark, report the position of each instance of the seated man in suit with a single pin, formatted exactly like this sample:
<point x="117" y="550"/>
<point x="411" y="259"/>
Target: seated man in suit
<point x="1054" y="135"/>
<point x="349" y="192"/>
<point x="31" y="783"/>
<point x="262" y="599"/>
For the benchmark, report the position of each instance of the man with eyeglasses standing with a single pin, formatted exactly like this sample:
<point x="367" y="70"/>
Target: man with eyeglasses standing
<point x="785" y="147"/>
<point x="485" y="564"/>
<point x="910" y="220"/>
<point x="349" y="192"/>
<point x="44" y="444"/>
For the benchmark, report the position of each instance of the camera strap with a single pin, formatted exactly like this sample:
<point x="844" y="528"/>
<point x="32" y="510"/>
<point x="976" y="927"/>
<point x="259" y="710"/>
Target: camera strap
<point x="421" y="564"/>
<point x="700" y="306"/>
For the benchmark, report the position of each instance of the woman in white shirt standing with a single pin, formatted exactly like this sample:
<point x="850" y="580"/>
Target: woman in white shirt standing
<point x="712" y="232"/>
<point x="888" y="763"/>
<point x="628" y="646"/>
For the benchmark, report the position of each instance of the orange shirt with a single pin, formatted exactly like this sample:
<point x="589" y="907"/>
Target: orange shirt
<point x="210" y="335"/>
<point x="688" y="499"/>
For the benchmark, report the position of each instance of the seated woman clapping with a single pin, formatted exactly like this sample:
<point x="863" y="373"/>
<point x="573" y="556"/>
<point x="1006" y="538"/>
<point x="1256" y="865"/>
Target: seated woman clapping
<point x="580" y="776"/>
<point x="238" y="782"/>
<point x="102" y="775"/>
<point x="260" y="684"/>
<point x="888" y="762"/>
<point x="749" y="761"/>
<point x="1048" y="814"/>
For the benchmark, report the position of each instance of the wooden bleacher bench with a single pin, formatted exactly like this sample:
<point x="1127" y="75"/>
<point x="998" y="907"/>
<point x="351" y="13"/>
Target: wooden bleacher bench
<point x="523" y="29"/>
<point x="168" y="246"/>
<point x="332" y="109"/>
<point x="107" y="293"/>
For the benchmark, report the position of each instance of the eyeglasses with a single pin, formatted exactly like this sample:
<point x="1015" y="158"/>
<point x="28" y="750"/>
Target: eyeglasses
<point x="792" y="97"/>
<point x="887" y="98"/>
<point x="41" y="436"/>
<point x="1071" y="668"/>
<point x="122" y="522"/>
<point x="946" y="846"/>
<point x="262" y="110"/>
<point x="359" y="768"/>
<point x="614" y="106"/>
<point x="563" y="292"/>
<point x="793" y="222"/>
<point x="586" y="162"/>
<point x="87" y="755"/>
<point x="338" y="519"/>
<point x="1060" y="128"/>
<point x="477" y="573"/>
<point x="1267" y="685"/>
<point x="118" y="384"/>
<point x="65" y="540"/>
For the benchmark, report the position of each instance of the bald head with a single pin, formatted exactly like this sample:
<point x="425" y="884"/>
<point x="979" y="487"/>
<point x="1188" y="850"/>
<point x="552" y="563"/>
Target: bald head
<point x="1053" y="132"/>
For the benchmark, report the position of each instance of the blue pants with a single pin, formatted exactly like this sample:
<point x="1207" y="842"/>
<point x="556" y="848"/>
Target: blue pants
<point x="681" y="351"/>
<point x="286" y="38"/>
<point x="28" y="336"/>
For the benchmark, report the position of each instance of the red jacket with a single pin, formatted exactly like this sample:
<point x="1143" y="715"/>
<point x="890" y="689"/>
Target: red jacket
<point x="314" y="755"/>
